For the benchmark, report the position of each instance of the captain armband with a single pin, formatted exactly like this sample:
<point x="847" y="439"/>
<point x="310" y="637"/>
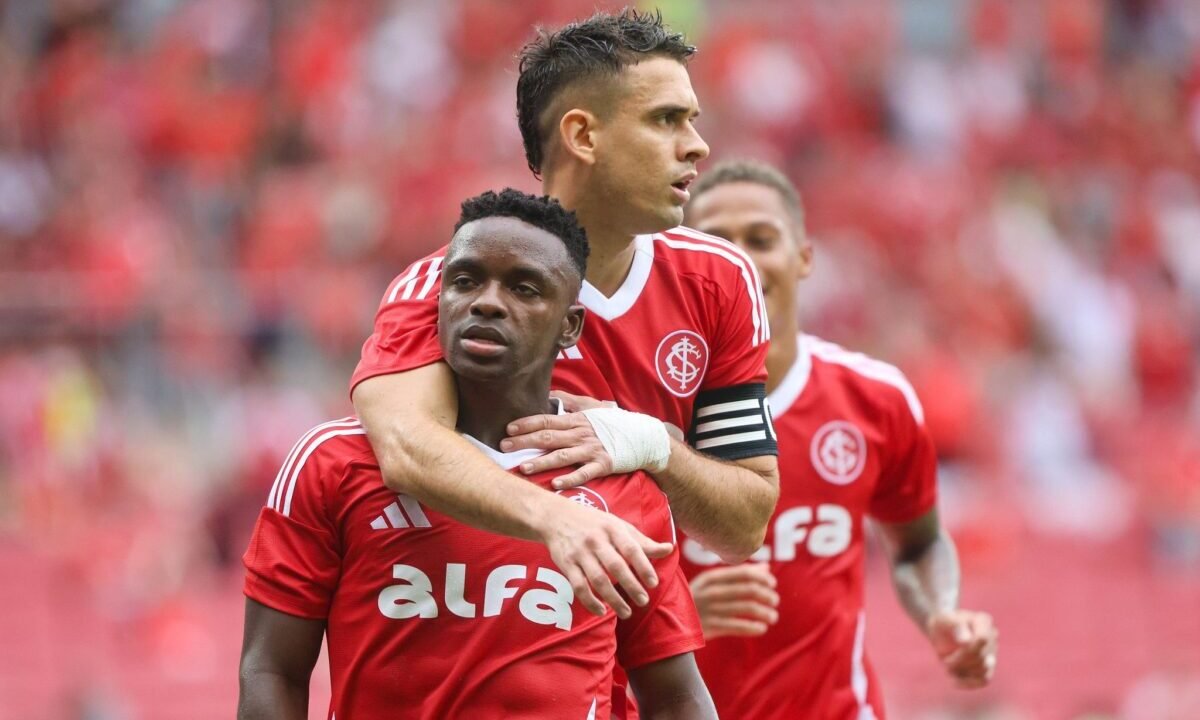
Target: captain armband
<point x="733" y="423"/>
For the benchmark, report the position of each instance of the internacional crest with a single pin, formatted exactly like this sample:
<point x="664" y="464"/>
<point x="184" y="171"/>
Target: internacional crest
<point x="681" y="360"/>
<point x="839" y="452"/>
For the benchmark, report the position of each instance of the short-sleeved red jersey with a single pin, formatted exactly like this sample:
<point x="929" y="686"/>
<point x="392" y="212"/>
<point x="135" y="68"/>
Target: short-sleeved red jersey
<point x="681" y="340"/>
<point x="852" y="443"/>
<point x="429" y="618"/>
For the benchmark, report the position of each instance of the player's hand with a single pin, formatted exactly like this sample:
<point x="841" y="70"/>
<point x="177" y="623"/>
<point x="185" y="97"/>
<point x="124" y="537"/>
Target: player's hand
<point x="740" y="600"/>
<point x="966" y="642"/>
<point x="579" y="403"/>
<point x="593" y="548"/>
<point x="570" y="439"/>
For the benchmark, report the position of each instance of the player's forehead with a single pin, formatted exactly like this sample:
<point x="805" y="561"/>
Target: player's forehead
<point x="501" y="243"/>
<point x="657" y="81"/>
<point x="738" y="204"/>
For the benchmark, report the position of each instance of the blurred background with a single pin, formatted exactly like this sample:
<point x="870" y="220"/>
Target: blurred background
<point x="202" y="201"/>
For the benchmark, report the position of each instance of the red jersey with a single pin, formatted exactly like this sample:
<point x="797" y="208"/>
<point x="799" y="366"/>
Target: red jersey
<point x="429" y="618"/>
<point x="852" y="443"/>
<point x="684" y="339"/>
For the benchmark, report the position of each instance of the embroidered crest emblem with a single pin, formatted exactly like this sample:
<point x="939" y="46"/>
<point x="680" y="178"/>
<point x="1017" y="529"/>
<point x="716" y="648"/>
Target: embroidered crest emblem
<point x="681" y="360"/>
<point x="586" y="497"/>
<point x="839" y="452"/>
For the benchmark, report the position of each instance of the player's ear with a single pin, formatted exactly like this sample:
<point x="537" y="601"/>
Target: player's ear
<point x="577" y="130"/>
<point x="804" y="261"/>
<point x="572" y="326"/>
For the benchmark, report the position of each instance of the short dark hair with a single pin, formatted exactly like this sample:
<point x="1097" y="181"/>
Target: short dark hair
<point x="751" y="171"/>
<point x="541" y="212"/>
<point x="604" y="44"/>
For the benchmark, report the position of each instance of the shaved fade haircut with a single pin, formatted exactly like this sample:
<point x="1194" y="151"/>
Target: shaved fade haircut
<point x="593" y="49"/>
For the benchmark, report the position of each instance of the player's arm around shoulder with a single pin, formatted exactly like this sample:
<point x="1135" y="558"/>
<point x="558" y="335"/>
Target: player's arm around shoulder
<point x="410" y="418"/>
<point x="672" y="689"/>
<point x="724" y="504"/>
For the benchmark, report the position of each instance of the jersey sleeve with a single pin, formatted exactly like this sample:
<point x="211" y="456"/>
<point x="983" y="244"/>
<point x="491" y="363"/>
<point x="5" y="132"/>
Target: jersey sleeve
<point x="405" y="332"/>
<point x="907" y="486"/>
<point x="669" y="624"/>
<point x="293" y="561"/>
<point x="731" y="419"/>
<point x="740" y="336"/>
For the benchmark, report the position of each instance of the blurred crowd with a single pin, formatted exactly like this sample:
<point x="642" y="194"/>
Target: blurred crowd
<point x="201" y="202"/>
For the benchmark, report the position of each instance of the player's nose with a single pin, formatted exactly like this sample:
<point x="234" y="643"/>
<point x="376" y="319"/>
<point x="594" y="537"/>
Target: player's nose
<point x="694" y="147"/>
<point x="489" y="302"/>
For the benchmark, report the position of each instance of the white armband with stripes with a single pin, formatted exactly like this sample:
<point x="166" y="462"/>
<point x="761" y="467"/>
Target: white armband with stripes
<point x="733" y="423"/>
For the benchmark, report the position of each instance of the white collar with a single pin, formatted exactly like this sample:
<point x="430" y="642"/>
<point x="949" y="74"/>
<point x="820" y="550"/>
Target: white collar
<point x="508" y="461"/>
<point x="611" y="308"/>
<point x="794" y="382"/>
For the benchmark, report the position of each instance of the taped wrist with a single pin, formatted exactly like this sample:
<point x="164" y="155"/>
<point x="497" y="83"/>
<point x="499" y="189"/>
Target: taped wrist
<point x="633" y="440"/>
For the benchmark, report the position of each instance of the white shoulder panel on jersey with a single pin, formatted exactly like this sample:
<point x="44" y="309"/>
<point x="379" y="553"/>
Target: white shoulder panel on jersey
<point x="694" y="240"/>
<point x="508" y="461"/>
<point x="280" y="498"/>
<point x="868" y="367"/>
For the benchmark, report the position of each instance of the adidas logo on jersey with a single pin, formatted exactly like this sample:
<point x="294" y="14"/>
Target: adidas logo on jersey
<point x="571" y="353"/>
<point x="404" y="513"/>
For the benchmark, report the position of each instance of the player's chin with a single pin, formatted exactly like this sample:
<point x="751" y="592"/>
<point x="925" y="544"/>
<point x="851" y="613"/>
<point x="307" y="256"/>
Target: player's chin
<point x="480" y="368"/>
<point x="669" y="216"/>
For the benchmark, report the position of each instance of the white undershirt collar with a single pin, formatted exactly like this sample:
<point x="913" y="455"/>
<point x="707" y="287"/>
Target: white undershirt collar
<point x="508" y="461"/>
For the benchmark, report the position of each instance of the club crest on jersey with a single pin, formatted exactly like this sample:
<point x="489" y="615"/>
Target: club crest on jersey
<point x="839" y="452"/>
<point x="681" y="360"/>
<point x="586" y="497"/>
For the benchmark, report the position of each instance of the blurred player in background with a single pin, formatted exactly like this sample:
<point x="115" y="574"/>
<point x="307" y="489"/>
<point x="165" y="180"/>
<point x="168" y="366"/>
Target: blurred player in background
<point x="677" y="329"/>
<point x="787" y="631"/>
<point x="429" y="618"/>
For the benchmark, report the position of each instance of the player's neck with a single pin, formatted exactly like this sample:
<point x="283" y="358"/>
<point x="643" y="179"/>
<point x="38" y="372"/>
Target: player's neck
<point x="784" y="350"/>
<point x="612" y="248"/>
<point x="486" y="408"/>
<point x="609" y="265"/>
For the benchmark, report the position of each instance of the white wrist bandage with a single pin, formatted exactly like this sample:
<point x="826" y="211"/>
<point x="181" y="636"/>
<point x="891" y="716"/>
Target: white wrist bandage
<point x="635" y="441"/>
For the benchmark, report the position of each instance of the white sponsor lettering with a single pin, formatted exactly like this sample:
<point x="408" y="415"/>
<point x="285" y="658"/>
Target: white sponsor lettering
<point x="550" y="605"/>
<point x="413" y="599"/>
<point x="793" y="528"/>
<point x="498" y="590"/>
<point x="456" y="589"/>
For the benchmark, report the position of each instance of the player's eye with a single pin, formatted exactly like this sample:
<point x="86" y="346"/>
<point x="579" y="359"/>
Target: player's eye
<point x="526" y="290"/>
<point x="463" y="282"/>
<point x="668" y="119"/>
<point x="761" y="242"/>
